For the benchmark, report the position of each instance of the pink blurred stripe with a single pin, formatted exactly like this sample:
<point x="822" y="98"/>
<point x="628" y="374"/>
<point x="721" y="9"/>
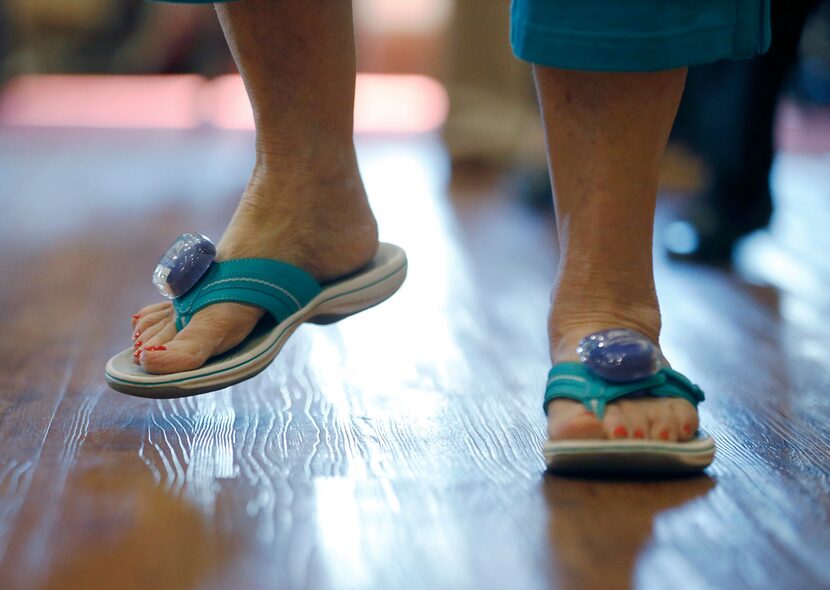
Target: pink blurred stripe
<point x="384" y="103"/>
<point x="101" y="101"/>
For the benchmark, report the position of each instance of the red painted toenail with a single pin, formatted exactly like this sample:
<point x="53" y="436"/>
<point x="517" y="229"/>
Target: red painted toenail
<point x="155" y="348"/>
<point x="620" y="432"/>
<point x="137" y="352"/>
<point x="135" y="316"/>
<point x="664" y="434"/>
<point x="639" y="434"/>
<point x="136" y="335"/>
<point x="137" y="344"/>
<point x="687" y="428"/>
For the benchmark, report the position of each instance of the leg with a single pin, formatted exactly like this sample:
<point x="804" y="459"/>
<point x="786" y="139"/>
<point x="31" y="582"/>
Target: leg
<point x="305" y="203"/>
<point x="606" y="134"/>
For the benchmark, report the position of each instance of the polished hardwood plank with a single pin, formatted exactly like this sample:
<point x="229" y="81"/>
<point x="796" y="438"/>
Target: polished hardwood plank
<point x="396" y="449"/>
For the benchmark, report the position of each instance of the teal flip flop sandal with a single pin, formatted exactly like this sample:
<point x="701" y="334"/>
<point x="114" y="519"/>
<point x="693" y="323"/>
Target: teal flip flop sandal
<point x="579" y="382"/>
<point x="289" y="295"/>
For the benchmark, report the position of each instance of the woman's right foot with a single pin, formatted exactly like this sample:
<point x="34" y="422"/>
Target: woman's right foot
<point x="320" y="222"/>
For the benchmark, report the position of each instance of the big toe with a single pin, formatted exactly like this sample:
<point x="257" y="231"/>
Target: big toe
<point x="173" y="357"/>
<point x="211" y="331"/>
<point x="571" y="420"/>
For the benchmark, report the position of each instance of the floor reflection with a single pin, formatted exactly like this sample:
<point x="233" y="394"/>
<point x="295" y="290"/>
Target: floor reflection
<point x="131" y="534"/>
<point x="586" y="542"/>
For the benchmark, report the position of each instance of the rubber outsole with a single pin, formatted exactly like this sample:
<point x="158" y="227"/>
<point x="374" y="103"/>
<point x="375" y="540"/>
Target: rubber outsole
<point x="629" y="457"/>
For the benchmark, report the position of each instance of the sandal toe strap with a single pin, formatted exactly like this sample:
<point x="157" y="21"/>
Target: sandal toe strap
<point x="279" y="288"/>
<point x="574" y="381"/>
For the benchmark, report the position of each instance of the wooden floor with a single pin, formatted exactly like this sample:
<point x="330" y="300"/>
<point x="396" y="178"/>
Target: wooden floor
<point x="399" y="449"/>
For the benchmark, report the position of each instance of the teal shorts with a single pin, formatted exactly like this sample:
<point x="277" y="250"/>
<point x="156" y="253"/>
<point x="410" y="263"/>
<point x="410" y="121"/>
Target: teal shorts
<point x="633" y="35"/>
<point x="637" y="35"/>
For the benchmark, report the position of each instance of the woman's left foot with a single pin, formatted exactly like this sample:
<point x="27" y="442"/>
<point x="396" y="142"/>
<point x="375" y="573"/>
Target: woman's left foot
<point x="667" y="419"/>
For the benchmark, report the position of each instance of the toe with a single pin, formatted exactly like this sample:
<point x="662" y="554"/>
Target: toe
<point x="685" y="418"/>
<point x="149" y="320"/>
<point x="155" y="307"/>
<point x="147" y="310"/>
<point x="663" y="424"/>
<point x="212" y="331"/>
<point x="615" y="424"/>
<point x="164" y="332"/>
<point x="187" y="350"/>
<point x="571" y="420"/>
<point x="147" y="336"/>
<point x="172" y="358"/>
<point x="636" y="417"/>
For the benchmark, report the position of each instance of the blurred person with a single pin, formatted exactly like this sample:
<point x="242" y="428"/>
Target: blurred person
<point x="171" y="39"/>
<point x="493" y="118"/>
<point x="609" y="78"/>
<point x="119" y="36"/>
<point x="5" y="42"/>
<point x="729" y="108"/>
<point x="65" y="36"/>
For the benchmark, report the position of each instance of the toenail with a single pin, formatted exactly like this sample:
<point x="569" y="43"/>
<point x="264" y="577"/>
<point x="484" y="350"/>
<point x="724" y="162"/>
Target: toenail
<point x="155" y="348"/>
<point x="135" y="316"/>
<point x="137" y="352"/>
<point x="664" y="434"/>
<point x="620" y="432"/>
<point x="639" y="434"/>
<point x="137" y="344"/>
<point x="687" y="428"/>
<point x="136" y="335"/>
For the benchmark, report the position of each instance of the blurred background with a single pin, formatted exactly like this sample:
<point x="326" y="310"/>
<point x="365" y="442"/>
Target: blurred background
<point x="444" y="68"/>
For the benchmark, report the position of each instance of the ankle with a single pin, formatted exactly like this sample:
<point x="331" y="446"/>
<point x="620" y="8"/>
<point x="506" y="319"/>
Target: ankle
<point x="321" y="224"/>
<point x="569" y="323"/>
<point x="326" y="159"/>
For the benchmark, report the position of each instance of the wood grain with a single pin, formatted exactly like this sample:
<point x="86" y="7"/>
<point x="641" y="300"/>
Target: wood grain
<point x="397" y="449"/>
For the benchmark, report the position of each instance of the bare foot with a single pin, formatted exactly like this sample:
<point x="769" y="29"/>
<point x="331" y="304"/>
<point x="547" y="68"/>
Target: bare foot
<point x="667" y="419"/>
<point x="320" y="222"/>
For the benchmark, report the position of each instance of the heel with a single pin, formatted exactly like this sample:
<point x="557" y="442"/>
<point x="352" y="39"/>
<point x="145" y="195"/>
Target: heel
<point x="343" y="305"/>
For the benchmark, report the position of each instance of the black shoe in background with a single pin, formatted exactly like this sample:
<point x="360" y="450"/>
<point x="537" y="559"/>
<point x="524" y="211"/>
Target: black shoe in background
<point x="707" y="229"/>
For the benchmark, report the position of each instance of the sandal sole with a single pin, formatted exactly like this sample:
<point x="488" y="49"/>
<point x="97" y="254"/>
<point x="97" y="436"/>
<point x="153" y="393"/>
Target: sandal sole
<point x="629" y="457"/>
<point x="374" y="284"/>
